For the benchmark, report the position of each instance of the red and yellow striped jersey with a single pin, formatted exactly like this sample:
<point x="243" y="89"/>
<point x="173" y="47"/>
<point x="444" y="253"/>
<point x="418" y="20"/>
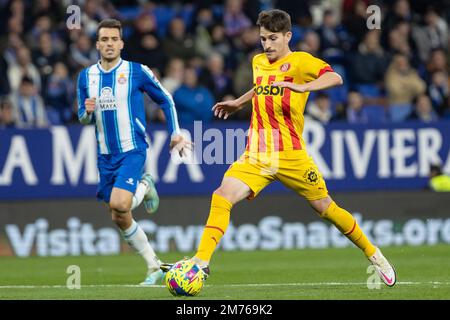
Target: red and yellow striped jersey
<point x="277" y="117"/>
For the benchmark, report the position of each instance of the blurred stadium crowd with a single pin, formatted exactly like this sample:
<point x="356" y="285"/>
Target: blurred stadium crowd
<point x="202" y="50"/>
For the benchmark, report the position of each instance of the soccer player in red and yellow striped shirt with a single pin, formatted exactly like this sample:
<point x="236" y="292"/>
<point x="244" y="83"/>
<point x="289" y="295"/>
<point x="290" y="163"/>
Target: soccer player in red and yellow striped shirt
<point x="275" y="148"/>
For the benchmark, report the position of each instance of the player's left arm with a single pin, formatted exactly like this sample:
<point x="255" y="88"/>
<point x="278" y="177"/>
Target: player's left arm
<point x="327" y="80"/>
<point x="315" y="74"/>
<point x="163" y="98"/>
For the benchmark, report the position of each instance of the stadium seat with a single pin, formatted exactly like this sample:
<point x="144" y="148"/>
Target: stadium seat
<point x="129" y="13"/>
<point x="187" y="13"/>
<point x="376" y="113"/>
<point x="369" y="90"/>
<point x="399" y="112"/>
<point x="163" y="17"/>
<point x="53" y="117"/>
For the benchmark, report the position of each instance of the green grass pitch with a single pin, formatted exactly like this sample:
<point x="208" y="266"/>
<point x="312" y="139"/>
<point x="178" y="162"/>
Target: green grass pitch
<point x="423" y="273"/>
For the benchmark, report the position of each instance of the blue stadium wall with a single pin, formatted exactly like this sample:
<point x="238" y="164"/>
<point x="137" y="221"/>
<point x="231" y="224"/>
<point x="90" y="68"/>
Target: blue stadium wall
<point x="61" y="162"/>
<point x="379" y="173"/>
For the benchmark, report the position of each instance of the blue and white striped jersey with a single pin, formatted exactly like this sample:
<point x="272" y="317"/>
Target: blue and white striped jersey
<point x="119" y="115"/>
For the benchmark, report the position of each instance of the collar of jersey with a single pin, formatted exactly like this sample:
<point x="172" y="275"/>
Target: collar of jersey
<point x="99" y="66"/>
<point x="279" y="60"/>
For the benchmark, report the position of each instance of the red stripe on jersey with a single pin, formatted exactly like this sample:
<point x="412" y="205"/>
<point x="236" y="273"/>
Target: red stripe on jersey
<point x="286" y="107"/>
<point x="276" y="134"/>
<point x="261" y="140"/>
<point x="249" y="141"/>
<point x="326" y="69"/>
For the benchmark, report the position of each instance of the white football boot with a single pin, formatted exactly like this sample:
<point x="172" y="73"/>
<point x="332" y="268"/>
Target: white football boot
<point x="384" y="269"/>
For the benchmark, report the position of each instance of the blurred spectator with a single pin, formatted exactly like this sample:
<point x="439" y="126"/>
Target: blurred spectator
<point x="243" y="75"/>
<point x="402" y="82"/>
<point x="82" y="53"/>
<point x="23" y="67"/>
<point x="423" y="110"/>
<point x="320" y="108"/>
<point x="193" y="101"/>
<point x="248" y="41"/>
<point x="174" y="75"/>
<point x="234" y="19"/>
<point x="438" y="182"/>
<point x="205" y="21"/>
<point x="334" y="39"/>
<point x="179" y="44"/>
<point x="45" y="57"/>
<point x="221" y="43"/>
<point x="433" y="35"/>
<point x="92" y="13"/>
<point x="438" y="90"/>
<point x="144" y="45"/>
<point x="6" y="114"/>
<point x="310" y="43"/>
<point x="28" y="107"/>
<point x="299" y="10"/>
<point x="401" y="41"/>
<point x="355" y="111"/>
<point x="437" y="62"/>
<point x="214" y="77"/>
<point x="49" y="8"/>
<point x="446" y="112"/>
<point x="59" y="95"/>
<point x="400" y="11"/>
<point x="370" y="62"/>
<point x="4" y="83"/>
<point x="354" y="19"/>
<point x="45" y="25"/>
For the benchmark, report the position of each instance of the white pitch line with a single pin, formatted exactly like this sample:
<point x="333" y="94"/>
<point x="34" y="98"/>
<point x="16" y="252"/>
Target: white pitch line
<point x="301" y="284"/>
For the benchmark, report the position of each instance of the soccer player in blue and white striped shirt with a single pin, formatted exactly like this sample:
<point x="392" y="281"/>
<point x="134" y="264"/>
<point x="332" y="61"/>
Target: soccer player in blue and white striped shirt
<point x="110" y="96"/>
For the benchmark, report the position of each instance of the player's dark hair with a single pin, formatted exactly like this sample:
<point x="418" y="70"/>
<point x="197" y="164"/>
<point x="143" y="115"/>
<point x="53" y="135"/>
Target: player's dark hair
<point x="110" y="23"/>
<point x="274" y="20"/>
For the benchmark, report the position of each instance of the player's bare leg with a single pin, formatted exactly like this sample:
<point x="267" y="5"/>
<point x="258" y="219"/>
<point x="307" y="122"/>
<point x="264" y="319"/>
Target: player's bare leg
<point x="120" y="208"/>
<point x="346" y="223"/>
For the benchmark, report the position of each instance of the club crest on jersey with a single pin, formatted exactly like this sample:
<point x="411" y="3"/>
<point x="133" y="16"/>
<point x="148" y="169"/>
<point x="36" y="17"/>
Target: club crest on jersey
<point x="107" y="101"/>
<point x="285" y="67"/>
<point x="122" y="79"/>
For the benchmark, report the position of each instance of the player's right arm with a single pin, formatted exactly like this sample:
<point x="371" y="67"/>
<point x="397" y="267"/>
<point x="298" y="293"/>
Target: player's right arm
<point x="225" y="108"/>
<point x="86" y="105"/>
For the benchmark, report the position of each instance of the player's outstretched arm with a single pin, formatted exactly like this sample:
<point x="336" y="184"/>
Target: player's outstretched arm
<point x="325" y="81"/>
<point x="226" y="108"/>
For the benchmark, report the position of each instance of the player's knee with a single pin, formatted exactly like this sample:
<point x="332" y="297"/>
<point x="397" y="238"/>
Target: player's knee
<point x="321" y="206"/>
<point x="119" y="206"/>
<point x="225" y="193"/>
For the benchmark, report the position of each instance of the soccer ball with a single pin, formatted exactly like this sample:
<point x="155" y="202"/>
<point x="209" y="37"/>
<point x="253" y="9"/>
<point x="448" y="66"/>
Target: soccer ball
<point x="185" y="278"/>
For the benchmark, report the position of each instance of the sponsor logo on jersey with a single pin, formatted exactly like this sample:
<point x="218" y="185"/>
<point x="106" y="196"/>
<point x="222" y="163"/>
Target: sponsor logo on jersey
<point x="107" y="101"/>
<point x="269" y="90"/>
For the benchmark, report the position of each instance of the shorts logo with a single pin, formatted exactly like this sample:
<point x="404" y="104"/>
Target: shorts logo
<point x="311" y="176"/>
<point x="285" y="67"/>
<point x="130" y="181"/>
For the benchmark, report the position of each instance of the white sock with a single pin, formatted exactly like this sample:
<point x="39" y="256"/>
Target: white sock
<point x="139" y="195"/>
<point x="137" y="239"/>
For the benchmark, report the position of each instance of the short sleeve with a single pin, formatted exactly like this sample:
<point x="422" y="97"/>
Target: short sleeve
<point x="311" y="67"/>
